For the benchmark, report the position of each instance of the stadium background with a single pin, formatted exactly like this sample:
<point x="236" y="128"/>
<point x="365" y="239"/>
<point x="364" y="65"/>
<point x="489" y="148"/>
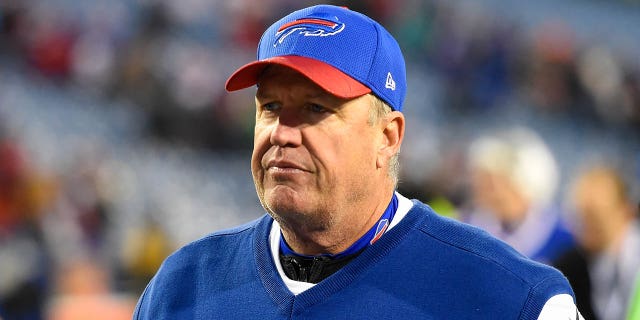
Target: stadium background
<point x="118" y="143"/>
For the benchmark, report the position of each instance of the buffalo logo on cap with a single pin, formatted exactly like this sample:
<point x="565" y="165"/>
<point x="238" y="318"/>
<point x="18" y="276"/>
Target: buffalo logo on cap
<point x="309" y="27"/>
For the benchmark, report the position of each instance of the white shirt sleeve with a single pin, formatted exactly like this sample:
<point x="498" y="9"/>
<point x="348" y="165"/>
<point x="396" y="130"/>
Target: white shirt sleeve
<point x="560" y="306"/>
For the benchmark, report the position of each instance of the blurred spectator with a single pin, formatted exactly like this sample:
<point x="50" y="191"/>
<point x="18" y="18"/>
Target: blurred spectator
<point x="611" y="85"/>
<point x="608" y="234"/>
<point x="83" y="292"/>
<point x="11" y="17"/>
<point x="548" y="79"/>
<point x="146" y="248"/>
<point x="24" y="256"/>
<point x="475" y="59"/>
<point x="573" y="263"/>
<point x="79" y="222"/>
<point x="513" y="181"/>
<point x="631" y="98"/>
<point x="49" y="39"/>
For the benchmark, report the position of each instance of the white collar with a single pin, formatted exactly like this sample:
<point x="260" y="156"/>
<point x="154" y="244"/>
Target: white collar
<point x="297" y="287"/>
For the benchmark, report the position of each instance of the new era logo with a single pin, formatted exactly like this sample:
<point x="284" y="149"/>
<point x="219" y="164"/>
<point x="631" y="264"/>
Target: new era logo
<point x="390" y="83"/>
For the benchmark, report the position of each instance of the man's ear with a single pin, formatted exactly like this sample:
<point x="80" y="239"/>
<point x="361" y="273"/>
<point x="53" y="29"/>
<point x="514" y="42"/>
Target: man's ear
<point x="392" y="134"/>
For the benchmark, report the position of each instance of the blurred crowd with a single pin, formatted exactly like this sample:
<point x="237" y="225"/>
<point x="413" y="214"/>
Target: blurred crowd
<point x="118" y="143"/>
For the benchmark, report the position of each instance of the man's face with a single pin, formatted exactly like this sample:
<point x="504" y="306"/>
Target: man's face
<point x="314" y="154"/>
<point x="496" y="193"/>
<point x="602" y="213"/>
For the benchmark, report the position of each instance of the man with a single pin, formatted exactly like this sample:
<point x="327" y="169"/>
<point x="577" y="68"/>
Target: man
<point x="606" y="262"/>
<point x="514" y="178"/>
<point x="338" y="242"/>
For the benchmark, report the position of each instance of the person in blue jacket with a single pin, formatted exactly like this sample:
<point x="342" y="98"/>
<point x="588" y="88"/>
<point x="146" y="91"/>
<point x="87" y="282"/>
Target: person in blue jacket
<point x="337" y="241"/>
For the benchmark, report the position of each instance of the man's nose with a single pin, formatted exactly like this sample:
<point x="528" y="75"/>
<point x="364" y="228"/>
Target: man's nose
<point x="286" y="132"/>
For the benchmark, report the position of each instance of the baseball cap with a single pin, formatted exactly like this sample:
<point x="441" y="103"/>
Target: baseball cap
<point x="344" y="52"/>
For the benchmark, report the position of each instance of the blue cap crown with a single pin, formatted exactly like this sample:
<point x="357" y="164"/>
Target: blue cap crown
<point x="347" y="40"/>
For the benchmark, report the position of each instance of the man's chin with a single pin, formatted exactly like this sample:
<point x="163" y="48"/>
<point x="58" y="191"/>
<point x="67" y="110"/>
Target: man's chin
<point x="283" y="204"/>
<point x="287" y="203"/>
<point x="284" y="193"/>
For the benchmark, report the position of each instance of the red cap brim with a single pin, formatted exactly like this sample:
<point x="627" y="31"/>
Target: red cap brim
<point x="324" y="75"/>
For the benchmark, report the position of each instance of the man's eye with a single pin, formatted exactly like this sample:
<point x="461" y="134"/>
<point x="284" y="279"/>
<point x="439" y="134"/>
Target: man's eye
<point x="271" y="106"/>
<point x="317" y="108"/>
